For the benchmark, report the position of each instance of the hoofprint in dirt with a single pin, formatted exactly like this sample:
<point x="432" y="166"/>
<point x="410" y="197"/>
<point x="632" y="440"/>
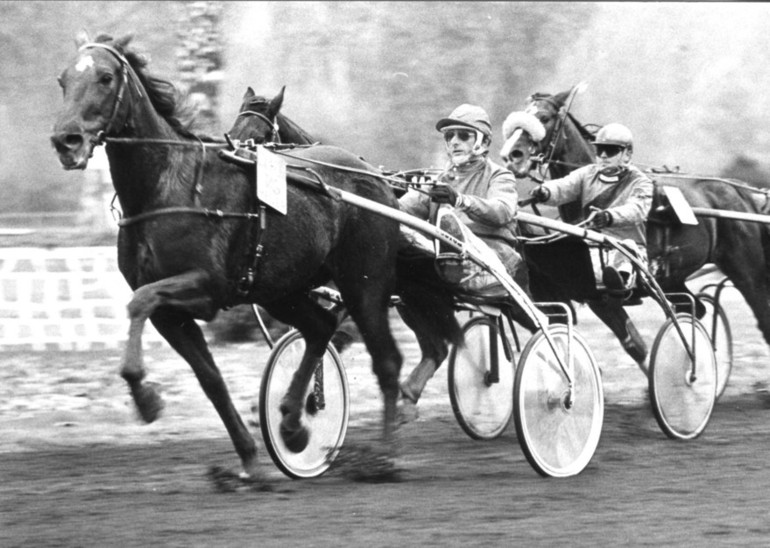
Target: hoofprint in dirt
<point x="77" y="467"/>
<point x="640" y="489"/>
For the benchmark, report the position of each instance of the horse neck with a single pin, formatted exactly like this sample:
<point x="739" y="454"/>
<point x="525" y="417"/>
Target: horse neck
<point x="141" y="172"/>
<point x="289" y="132"/>
<point x="572" y="151"/>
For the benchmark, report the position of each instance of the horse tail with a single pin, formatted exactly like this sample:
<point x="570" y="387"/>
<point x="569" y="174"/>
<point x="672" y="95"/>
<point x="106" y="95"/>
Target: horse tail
<point x="760" y="205"/>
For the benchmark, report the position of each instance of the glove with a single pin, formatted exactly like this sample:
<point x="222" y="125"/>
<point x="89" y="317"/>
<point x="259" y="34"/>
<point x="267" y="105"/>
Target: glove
<point x="443" y="194"/>
<point x="602" y="219"/>
<point x="540" y="193"/>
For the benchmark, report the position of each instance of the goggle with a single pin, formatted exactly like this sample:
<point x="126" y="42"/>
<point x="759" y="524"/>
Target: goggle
<point x="609" y="150"/>
<point x="462" y="134"/>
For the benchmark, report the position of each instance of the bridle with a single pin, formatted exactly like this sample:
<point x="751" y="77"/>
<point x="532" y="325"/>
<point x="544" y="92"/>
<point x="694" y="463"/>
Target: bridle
<point x="547" y="151"/>
<point x="274" y="136"/>
<point x="127" y="75"/>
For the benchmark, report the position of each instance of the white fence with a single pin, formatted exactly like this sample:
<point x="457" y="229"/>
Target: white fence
<point x="63" y="299"/>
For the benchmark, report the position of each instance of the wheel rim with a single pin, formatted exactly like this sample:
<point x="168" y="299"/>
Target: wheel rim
<point x="558" y="439"/>
<point x="482" y="409"/>
<point x="327" y="426"/>
<point x="682" y="406"/>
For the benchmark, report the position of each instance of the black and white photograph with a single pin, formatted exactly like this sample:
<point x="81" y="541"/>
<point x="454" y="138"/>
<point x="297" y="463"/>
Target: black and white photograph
<point x="324" y="273"/>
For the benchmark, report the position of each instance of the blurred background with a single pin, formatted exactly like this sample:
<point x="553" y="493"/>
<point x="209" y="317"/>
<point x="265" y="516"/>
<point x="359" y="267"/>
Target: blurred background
<point x="689" y="79"/>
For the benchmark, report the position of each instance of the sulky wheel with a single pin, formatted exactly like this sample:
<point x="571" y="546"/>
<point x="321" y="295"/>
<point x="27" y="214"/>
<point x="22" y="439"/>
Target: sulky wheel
<point x="325" y="415"/>
<point x="481" y="394"/>
<point x="682" y="406"/>
<point x="721" y="339"/>
<point x="558" y="430"/>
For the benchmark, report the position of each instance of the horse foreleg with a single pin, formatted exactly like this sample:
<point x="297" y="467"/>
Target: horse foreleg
<point x="184" y="292"/>
<point x="610" y="311"/>
<point x="171" y="304"/>
<point x="186" y="337"/>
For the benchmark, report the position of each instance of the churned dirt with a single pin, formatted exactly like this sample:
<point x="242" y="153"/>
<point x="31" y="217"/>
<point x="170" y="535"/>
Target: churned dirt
<point x="78" y="469"/>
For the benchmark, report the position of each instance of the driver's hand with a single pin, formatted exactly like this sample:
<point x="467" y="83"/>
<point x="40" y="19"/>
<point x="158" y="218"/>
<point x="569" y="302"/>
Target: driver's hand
<point x="601" y="219"/>
<point x="540" y="193"/>
<point x="442" y="193"/>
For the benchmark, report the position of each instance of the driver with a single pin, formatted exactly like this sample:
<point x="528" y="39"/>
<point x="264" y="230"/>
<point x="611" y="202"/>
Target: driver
<point x="615" y="196"/>
<point x="475" y="200"/>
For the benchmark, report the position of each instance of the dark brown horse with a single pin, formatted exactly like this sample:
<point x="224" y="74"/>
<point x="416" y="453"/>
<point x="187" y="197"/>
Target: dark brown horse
<point x="741" y="250"/>
<point x="271" y="125"/>
<point x="432" y="320"/>
<point x="186" y="243"/>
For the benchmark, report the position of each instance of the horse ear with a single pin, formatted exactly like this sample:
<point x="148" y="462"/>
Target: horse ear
<point x="81" y="39"/>
<point x="124" y="41"/>
<point x="249" y="93"/>
<point x="277" y="101"/>
<point x="561" y="98"/>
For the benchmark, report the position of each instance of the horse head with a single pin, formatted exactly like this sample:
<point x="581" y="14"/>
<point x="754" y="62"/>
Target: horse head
<point x="108" y="94"/>
<point x="258" y="118"/>
<point x="521" y="133"/>
<point x="94" y="86"/>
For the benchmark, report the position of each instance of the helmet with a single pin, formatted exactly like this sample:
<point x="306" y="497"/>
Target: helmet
<point x="615" y="134"/>
<point x="468" y="116"/>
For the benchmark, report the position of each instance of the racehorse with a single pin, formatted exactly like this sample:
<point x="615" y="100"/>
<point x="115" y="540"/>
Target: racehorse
<point x="277" y="127"/>
<point x="188" y="237"/>
<point x="741" y="250"/>
<point x="256" y="121"/>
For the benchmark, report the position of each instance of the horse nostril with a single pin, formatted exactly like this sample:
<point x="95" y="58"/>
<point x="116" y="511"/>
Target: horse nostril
<point x="73" y="140"/>
<point x="65" y="142"/>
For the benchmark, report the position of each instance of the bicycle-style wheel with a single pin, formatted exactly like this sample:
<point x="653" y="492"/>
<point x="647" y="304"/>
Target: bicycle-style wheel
<point x="721" y="339"/>
<point x="482" y="404"/>
<point x="558" y="431"/>
<point x="682" y="406"/>
<point x="326" y="410"/>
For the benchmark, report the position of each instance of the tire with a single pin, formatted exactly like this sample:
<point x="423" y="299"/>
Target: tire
<point x="482" y="408"/>
<point x="682" y="407"/>
<point x="558" y="439"/>
<point x="327" y="426"/>
<point x="722" y="343"/>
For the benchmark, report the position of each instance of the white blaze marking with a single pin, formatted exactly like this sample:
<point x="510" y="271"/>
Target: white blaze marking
<point x="85" y="63"/>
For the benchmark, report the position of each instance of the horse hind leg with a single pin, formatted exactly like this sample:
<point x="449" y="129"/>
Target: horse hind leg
<point x="316" y="325"/>
<point x="370" y="312"/>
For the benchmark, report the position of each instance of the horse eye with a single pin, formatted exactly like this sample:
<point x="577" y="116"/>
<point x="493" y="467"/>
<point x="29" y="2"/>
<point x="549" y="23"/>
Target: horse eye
<point x="105" y="79"/>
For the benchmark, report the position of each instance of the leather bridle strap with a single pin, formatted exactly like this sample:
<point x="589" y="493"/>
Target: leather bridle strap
<point x="272" y="123"/>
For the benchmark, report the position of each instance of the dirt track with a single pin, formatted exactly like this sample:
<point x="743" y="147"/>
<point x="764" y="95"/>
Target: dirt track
<point x="78" y="470"/>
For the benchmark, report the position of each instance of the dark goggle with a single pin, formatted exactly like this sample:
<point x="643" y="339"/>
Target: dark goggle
<point x="609" y="150"/>
<point x="462" y="134"/>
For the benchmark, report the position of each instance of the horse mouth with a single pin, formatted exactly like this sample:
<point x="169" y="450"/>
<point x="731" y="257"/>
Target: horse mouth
<point x="73" y="161"/>
<point x="520" y="168"/>
<point x="73" y="152"/>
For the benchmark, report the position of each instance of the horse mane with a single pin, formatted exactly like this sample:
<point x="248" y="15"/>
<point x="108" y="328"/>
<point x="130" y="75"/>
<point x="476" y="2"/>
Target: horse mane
<point x="169" y="102"/>
<point x="285" y="121"/>
<point x="586" y="133"/>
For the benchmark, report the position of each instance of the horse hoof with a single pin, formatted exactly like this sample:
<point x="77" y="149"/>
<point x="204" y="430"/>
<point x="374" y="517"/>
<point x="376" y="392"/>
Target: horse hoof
<point x="295" y="440"/>
<point x="407" y="412"/>
<point x="148" y="401"/>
